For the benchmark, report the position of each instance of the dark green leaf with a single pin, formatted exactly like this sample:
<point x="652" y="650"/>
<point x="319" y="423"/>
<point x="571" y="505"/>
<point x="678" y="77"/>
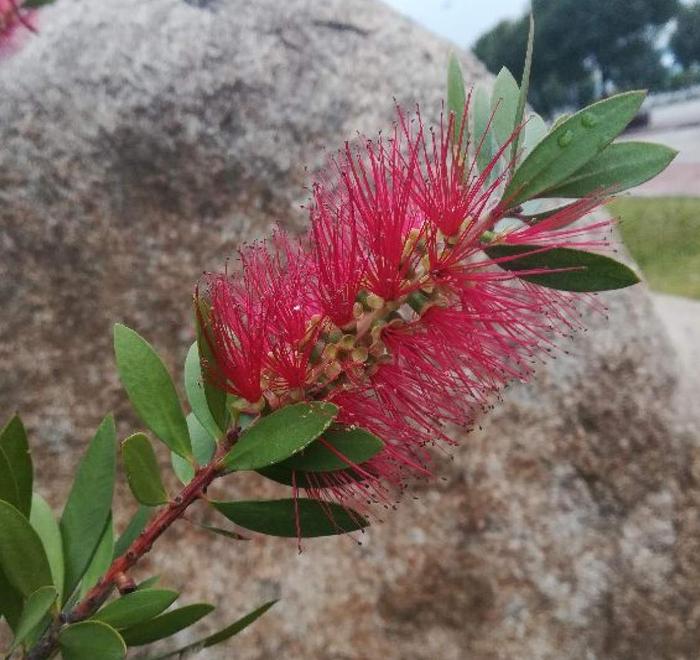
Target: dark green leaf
<point x="220" y="636"/>
<point x="166" y="624"/>
<point x="149" y="582"/>
<point x="90" y="640"/>
<point x="142" y="471"/>
<point x="620" y="166"/>
<point x="13" y="442"/>
<point x="280" y="435"/>
<point x="44" y="523"/>
<point x="10" y="601"/>
<point x="8" y="486"/>
<point x="22" y="556"/>
<point x="504" y="104"/>
<point x="224" y="532"/>
<point x="352" y="446"/>
<point x="133" y="529"/>
<point x="150" y="389"/>
<point x="89" y="504"/>
<point x="279" y="517"/>
<point x="456" y="96"/>
<point x="571" y="145"/>
<point x="540" y="216"/>
<point x="35" y="609"/>
<point x="583" y="271"/>
<point x="194" y="385"/>
<point x="35" y="4"/>
<point x="136" y="607"/>
<point x="100" y="561"/>
<point x="524" y="86"/>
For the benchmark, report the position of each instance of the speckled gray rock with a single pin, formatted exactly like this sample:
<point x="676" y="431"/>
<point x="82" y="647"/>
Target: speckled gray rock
<point x="141" y="142"/>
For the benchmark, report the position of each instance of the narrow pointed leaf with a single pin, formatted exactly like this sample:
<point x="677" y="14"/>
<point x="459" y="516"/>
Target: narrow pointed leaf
<point x="100" y="561"/>
<point x="149" y="582"/>
<point x="456" y="96"/>
<point x="22" y="556"/>
<point x="89" y="504"/>
<point x="524" y="86"/>
<point x="220" y="636"/>
<point x="10" y="601"/>
<point x="142" y="471"/>
<point x="504" y="104"/>
<point x="13" y="443"/>
<point x="46" y="526"/>
<point x="484" y="142"/>
<point x="620" y="166"/>
<point x="166" y="624"/>
<point x="136" y="607"/>
<point x="35" y="609"/>
<point x="280" y="435"/>
<point x="225" y="532"/>
<point x="576" y="270"/>
<point x="196" y="394"/>
<point x="133" y="529"/>
<point x="150" y="389"/>
<point x="8" y="485"/>
<point x="89" y="640"/>
<point x="573" y="143"/>
<point x="279" y="517"/>
<point x="350" y="446"/>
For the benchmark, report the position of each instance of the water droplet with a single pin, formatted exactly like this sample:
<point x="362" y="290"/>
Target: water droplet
<point x="565" y="138"/>
<point x="589" y="120"/>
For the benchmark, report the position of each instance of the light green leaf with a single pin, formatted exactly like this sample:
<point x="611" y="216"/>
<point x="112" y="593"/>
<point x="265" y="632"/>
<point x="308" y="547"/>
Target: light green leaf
<point x="150" y="389"/>
<point x="100" y="561"/>
<point x="13" y="442"/>
<point x="524" y="86"/>
<point x="484" y="142"/>
<point x="90" y="640"/>
<point x="535" y="131"/>
<point x="166" y="624"/>
<point x="620" y="166"/>
<point x="22" y="556"/>
<point x="183" y="469"/>
<point x="571" y="145"/>
<point x="279" y="517"/>
<point x="224" y="532"/>
<point x="203" y="444"/>
<point x="133" y="529"/>
<point x="280" y="435"/>
<point x="45" y="524"/>
<point x="220" y="636"/>
<point x="136" y="607"/>
<point x="456" y="96"/>
<point x="194" y="386"/>
<point x="504" y="104"/>
<point x="576" y="270"/>
<point x="35" y="609"/>
<point x="142" y="471"/>
<point x="89" y="504"/>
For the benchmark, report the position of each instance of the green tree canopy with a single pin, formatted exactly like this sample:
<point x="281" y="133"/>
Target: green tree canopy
<point x="685" y="43"/>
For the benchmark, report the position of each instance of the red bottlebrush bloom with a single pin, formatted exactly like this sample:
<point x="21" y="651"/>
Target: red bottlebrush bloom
<point x="390" y="308"/>
<point x="15" y="22"/>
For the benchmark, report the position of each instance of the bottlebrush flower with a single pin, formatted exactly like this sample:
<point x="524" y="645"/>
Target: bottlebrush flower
<point x="15" y="22"/>
<point x="389" y="306"/>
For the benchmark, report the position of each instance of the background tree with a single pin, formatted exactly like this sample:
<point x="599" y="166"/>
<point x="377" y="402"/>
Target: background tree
<point x="685" y="43"/>
<point x="583" y="48"/>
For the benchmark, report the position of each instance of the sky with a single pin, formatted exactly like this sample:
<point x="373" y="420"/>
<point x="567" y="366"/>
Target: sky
<point x="461" y="21"/>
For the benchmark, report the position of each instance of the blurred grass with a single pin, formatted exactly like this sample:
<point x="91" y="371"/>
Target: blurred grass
<point x="663" y="236"/>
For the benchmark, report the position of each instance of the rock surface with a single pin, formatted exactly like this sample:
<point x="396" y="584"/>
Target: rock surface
<point x="141" y="142"/>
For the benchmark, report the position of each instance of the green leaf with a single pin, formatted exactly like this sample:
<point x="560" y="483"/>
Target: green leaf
<point x="136" y="607"/>
<point x="524" y="86"/>
<point x="280" y="435"/>
<point x="620" y="166"/>
<point x="456" y="96"/>
<point x="196" y="395"/>
<point x="89" y="640"/>
<point x="504" y="104"/>
<point x="220" y="636"/>
<point x="44" y="523"/>
<point x="142" y="471"/>
<point x="224" y="532"/>
<point x="571" y="145"/>
<point x="22" y="556"/>
<point x="203" y="443"/>
<point x="35" y="609"/>
<point x="183" y="469"/>
<point x="356" y="445"/>
<point x="484" y="142"/>
<point x="541" y="216"/>
<point x="149" y="582"/>
<point x="35" y="4"/>
<point x="13" y="443"/>
<point x="133" y="529"/>
<point x="150" y="389"/>
<point x="560" y="120"/>
<point x="586" y="271"/>
<point x="166" y="624"/>
<point x="8" y="486"/>
<point x="100" y="561"/>
<point x="89" y="504"/>
<point x="279" y="517"/>
<point x="216" y="398"/>
<point x="10" y="601"/>
<point x="535" y="131"/>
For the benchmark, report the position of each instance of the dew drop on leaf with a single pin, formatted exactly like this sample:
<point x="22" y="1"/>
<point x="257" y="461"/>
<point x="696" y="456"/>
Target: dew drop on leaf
<point x="565" y="138"/>
<point x="589" y="120"/>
